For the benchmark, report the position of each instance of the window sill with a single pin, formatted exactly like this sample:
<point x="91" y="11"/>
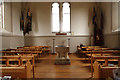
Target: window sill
<point x="61" y="33"/>
<point x="117" y="30"/>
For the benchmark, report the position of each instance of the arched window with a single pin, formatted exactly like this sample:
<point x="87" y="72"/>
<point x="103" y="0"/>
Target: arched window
<point x="61" y="20"/>
<point x="55" y="17"/>
<point x="115" y="16"/>
<point x="66" y="17"/>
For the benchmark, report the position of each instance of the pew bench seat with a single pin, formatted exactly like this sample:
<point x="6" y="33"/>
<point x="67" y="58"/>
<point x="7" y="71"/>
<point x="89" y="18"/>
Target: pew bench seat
<point x="100" y="60"/>
<point x="107" y="54"/>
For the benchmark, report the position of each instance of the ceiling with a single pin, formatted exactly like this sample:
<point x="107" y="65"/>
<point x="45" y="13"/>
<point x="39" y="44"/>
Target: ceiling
<point x="61" y="0"/>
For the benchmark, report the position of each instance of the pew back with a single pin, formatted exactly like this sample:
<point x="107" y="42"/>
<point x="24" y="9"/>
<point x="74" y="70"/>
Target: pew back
<point x="105" y="71"/>
<point x="17" y="72"/>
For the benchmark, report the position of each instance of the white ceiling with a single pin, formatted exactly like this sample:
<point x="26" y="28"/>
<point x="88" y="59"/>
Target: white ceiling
<point x="61" y="0"/>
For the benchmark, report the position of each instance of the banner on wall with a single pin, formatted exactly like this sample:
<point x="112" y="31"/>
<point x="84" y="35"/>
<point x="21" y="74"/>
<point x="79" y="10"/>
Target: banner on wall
<point x="28" y="26"/>
<point x="22" y="22"/>
<point x="26" y="22"/>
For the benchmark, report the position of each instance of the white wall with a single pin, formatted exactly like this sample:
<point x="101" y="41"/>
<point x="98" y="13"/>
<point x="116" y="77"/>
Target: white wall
<point x="81" y="15"/>
<point x="7" y="17"/>
<point x="16" y="14"/>
<point x="16" y="41"/>
<point x="0" y="42"/>
<point x="41" y="18"/>
<point x="41" y="26"/>
<point x="41" y="33"/>
<point x="106" y="8"/>
<point x="110" y="38"/>
<point x="11" y="35"/>
<point x="80" y="22"/>
<point x="59" y="40"/>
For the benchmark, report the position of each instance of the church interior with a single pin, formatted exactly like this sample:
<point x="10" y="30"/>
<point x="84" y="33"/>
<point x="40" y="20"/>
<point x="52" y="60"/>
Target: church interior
<point x="59" y="40"/>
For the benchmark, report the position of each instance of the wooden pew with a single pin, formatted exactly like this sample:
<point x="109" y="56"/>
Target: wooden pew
<point x="45" y="49"/>
<point x="101" y="53"/>
<point x="22" y="52"/>
<point x="34" y="52"/>
<point x="94" y="46"/>
<point x="37" y="50"/>
<point x="88" y="48"/>
<point x="103" y="72"/>
<point x="17" y="72"/>
<point x="4" y="53"/>
<point x="98" y="52"/>
<point x="19" y="59"/>
<point x="84" y="49"/>
<point x="103" y="69"/>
